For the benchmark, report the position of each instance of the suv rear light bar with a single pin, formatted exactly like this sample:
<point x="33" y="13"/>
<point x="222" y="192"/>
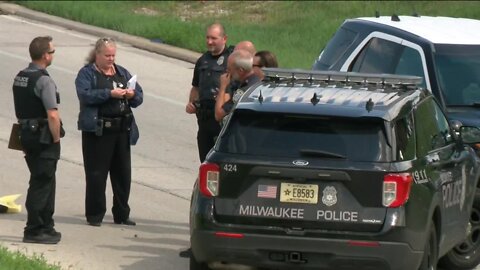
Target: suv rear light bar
<point x="339" y="76"/>
<point x="209" y="179"/>
<point x="396" y="189"/>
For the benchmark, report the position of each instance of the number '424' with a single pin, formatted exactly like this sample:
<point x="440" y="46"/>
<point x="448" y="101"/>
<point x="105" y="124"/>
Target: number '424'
<point x="230" y="167"/>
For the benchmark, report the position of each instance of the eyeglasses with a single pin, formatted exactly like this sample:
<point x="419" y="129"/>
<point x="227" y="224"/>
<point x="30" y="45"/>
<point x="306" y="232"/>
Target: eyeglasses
<point x="51" y="52"/>
<point x="257" y="66"/>
<point x="107" y="40"/>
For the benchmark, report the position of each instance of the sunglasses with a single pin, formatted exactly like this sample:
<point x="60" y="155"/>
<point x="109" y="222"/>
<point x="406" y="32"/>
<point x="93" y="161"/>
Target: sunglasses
<point x="51" y="52"/>
<point x="107" y="40"/>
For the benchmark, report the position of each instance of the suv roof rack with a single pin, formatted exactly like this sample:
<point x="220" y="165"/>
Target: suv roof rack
<point x="355" y="78"/>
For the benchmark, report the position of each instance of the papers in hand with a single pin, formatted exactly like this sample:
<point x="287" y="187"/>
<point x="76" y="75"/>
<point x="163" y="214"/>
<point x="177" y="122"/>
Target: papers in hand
<point x="132" y="82"/>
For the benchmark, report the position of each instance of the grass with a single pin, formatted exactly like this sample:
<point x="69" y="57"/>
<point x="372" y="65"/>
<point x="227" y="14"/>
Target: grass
<point x="296" y="31"/>
<point x="18" y="261"/>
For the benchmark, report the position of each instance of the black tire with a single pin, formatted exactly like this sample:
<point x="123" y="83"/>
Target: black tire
<point x="430" y="255"/>
<point x="194" y="265"/>
<point x="467" y="254"/>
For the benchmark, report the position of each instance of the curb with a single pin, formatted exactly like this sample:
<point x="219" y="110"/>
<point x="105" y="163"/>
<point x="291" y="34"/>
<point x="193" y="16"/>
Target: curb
<point x="135" y="41"/>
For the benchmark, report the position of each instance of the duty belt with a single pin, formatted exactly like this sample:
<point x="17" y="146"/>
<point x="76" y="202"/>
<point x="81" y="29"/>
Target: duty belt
<point x="33" y="123"/>
<point x="118" y="123"/>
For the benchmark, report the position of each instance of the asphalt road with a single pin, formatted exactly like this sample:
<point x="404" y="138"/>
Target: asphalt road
<point x="165" y="160"/>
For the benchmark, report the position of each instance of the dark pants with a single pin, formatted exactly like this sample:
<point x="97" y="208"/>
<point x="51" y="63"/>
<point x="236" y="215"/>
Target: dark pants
<point x="40" y="203"/>
<point x="208" y="130"/>
<point x="109" y="153"/>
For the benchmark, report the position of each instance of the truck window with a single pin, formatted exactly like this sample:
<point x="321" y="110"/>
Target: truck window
<point x="336" y="47"/>
<point x="384" y="56"/>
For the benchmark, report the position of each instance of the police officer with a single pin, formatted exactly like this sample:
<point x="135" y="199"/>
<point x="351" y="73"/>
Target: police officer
<point x="239" y="77"/>
<point x="108" y="130"/>
<point x="36" y="102"/>
<point x="205" y="86"/>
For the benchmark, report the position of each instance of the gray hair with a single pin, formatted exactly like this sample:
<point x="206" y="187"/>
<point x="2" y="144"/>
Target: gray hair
<point x="242" y="59"/>
<point x="99" y="45"/>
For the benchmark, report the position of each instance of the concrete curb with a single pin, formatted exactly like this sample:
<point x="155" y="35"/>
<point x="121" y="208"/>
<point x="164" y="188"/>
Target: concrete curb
<point x="135" y="41"/>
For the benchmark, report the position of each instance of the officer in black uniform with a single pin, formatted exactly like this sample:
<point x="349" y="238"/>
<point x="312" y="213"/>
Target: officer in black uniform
<point x="36" y="102"/>
<point x="205" y="84"/>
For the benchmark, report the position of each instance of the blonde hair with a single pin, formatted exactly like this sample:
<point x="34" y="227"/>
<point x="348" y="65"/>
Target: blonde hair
<point x="99" y="45"/>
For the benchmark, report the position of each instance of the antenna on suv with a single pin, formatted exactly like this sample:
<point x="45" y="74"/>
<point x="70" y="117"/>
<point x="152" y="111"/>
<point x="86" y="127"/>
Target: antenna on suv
<point x="395" y="18"/>
<point x="369" y="105"/>
<point x="260" y="97"/>
<point x="377" y="14"/>
<point x="315" y="99"/>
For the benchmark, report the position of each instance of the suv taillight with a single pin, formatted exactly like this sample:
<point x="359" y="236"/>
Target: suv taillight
<point x="396" y="189"/>
<point x="209" y="179"/>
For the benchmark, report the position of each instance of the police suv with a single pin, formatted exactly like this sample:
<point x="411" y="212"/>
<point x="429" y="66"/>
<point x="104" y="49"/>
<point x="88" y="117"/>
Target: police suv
<point x="336" y="170"/>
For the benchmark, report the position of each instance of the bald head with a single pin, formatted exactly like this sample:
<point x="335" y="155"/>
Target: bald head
<point x="247" y="46"/>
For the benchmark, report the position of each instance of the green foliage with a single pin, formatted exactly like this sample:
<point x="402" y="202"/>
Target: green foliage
<point x="18" y="261"/>
<point x="296" y="31"/>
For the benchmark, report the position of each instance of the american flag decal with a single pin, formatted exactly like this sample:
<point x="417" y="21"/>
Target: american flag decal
<point x="267" y="191"/>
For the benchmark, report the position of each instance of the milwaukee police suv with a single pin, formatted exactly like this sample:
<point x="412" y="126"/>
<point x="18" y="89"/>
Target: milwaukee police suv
<point x="335" y="170"/>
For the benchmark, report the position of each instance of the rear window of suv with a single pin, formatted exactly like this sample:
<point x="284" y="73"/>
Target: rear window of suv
<point x="293" y="135"/>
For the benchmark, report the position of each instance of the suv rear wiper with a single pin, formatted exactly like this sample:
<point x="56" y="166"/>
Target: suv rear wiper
<point x="320" y="153"/>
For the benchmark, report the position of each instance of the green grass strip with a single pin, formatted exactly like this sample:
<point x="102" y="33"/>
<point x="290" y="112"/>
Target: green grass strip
<point x="18" y="261"/>
<point x="296" y="31"/>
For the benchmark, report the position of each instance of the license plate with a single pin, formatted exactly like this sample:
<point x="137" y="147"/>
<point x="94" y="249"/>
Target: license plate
<point x="298" y="193"/>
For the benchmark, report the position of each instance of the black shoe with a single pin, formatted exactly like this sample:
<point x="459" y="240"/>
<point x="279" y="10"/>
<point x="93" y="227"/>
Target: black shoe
<point x="127" y="221"/>
<point x="53" y="232"/>
<point x="41" y="238"/>
<point x="94" y="223"/>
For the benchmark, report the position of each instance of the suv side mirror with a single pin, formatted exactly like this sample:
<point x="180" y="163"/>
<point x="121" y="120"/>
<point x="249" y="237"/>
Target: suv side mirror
<point x="455" y="125"/>
<point x="470" y="134"/>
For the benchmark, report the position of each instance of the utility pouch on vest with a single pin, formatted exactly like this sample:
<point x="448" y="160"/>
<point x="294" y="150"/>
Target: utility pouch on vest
<point x="29" y="125"/>
<point x="30" y="134"/>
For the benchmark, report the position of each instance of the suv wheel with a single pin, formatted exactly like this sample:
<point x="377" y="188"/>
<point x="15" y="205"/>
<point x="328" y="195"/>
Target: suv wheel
<point x="467" y="254"/>
<point x="194" y="265"/>
<point x="429" y="261"/>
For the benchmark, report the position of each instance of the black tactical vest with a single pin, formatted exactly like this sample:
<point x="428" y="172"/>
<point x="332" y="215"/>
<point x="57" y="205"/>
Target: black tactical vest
<point x="27" y="104"/>
<point x="210" y="69"/>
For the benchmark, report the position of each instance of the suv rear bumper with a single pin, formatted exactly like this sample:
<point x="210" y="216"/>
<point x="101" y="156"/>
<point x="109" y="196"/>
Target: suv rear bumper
<point x="288" y="252"/>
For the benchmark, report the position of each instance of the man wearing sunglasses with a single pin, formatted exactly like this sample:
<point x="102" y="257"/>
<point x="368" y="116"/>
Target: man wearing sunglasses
<point x="36" y="107"/>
